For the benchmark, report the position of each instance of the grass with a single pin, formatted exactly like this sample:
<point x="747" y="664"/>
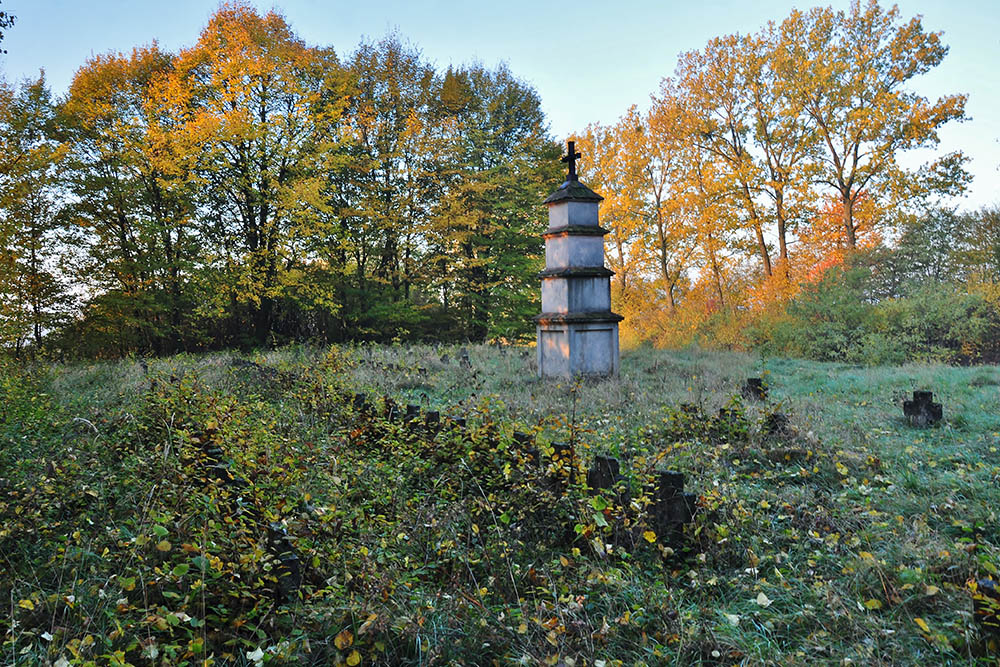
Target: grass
<point x="848" y="537"/>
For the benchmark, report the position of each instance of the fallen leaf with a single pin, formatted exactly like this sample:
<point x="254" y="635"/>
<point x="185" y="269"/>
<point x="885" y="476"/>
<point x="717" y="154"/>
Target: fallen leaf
<point x="344" y="639"/>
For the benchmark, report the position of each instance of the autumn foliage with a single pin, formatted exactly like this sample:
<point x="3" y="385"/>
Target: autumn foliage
<point x="766" y="159"/>
<point x="252" y="189"/>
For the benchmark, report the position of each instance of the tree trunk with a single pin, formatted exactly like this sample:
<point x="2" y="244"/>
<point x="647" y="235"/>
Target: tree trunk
<point x="716" y="273"/>
<point x="847" y="203"/>
<point x="764" y="256"/>
<point x="779" y="209"/>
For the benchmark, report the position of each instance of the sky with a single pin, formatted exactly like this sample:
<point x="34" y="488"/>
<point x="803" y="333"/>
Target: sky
<point x="588" y="60"/>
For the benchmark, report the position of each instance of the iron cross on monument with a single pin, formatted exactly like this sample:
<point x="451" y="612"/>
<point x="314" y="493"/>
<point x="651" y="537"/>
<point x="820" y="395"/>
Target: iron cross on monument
<point x="572" y="155"/>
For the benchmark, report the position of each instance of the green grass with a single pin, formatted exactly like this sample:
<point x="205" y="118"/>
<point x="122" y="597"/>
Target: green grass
<point x="849" y="537"/>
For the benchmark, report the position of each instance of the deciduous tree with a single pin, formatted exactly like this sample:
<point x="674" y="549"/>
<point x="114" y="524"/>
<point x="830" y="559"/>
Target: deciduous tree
<point x="34" y="298"/>
<point x="251" y="110"/>
<point x="851" y="72"/>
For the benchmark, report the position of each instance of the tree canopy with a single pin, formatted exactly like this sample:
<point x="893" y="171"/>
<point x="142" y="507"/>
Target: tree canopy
<point x="253" y="189"/>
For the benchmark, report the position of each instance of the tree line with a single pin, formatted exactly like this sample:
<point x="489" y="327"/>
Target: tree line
<point x="252" y="189"/>
<point x="766" y="159"/>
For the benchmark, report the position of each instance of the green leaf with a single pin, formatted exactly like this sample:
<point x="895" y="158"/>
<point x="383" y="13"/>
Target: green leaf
<point x="599" y="520"/>
<point x="160" y="531"/>
<point x="181" y="570"/>
<point x="599" y="503"/>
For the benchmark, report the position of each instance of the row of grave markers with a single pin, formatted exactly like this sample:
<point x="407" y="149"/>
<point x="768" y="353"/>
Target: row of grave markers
<point x="921" y="411"/>
<point x="671" y="507"/>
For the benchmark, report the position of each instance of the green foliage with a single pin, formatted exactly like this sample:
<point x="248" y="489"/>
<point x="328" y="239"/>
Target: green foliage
<point x="252" y="191"/>
<point x="33" y="293"/>
<point x="922" y="300"/>
<point x="126" y="542"/>
<point x="6" y="21"/>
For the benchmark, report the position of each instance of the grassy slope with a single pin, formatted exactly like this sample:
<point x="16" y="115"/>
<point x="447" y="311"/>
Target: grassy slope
<point x="822" y="544"/>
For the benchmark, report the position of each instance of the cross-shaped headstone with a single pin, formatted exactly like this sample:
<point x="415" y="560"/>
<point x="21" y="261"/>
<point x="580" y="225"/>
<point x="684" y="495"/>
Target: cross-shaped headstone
<point x="571" y="158"/>
<point x="922" y="410"/>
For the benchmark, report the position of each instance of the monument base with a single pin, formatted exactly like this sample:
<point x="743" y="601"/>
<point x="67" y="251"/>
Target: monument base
<point x="578" y="345"/>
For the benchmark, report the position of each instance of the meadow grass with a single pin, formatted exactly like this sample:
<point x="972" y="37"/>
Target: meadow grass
<point x="849" y="537"/>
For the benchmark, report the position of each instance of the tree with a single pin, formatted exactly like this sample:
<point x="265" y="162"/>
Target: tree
<point x="133" y="219"/>
<point x="712" y="86"/>
<point x="781" y="132"/>
<point x="977" y="245"/>
<point x="250" y="112"/>
<point x="486" y="228"/>
<point x="34" y="298"/>
<point x="384" y="193"/>
<point x="6" y="21"/>
<point x="671" y="213"/>
<point x="850" y="78"/>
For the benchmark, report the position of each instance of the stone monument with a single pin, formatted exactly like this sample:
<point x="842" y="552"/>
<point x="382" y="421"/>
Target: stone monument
<point x="577" y="333"/>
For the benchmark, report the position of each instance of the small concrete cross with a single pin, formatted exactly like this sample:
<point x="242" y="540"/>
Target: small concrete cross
<point x="571" y="158"/>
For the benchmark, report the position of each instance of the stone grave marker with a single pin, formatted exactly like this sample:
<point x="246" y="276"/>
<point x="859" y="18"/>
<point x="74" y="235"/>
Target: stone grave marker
<point x="432" y="421"/>
<point x="526" y="444"/>
<point x="986" y="607"/>
<point x="922" y="410"/>
<point x="672" y="507"/>
<point x="604" y="473"/>
<point x="754" y="389"/>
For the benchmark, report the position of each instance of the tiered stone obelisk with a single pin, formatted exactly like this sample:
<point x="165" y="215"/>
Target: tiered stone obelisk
<point x="577" y="332"/>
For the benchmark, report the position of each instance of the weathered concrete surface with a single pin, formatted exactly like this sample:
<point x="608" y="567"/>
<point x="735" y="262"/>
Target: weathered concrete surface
<point x="578" y="349"/>
<point x="566" y="251"/>
<point x="573" y="296"/>
<point x="577" y="333"/>
<point x="579" y="212"/>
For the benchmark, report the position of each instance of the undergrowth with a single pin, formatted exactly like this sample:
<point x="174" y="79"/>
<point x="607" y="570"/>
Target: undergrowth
<point x="220" y="510"/>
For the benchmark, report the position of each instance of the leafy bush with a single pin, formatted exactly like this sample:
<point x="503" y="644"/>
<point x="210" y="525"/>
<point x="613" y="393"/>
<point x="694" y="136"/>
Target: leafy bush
<point x="842" y="317"/>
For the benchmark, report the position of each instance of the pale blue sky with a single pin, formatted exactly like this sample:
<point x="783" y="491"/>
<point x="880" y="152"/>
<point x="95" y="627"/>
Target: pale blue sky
<point x="588" y="60"/>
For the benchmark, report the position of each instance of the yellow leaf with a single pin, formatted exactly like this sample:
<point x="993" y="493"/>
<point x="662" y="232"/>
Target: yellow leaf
<point x="865" y="555"/>
<point x="344" y="639"/>
<point x="564" y="561"/>
<point x="26" y="604"/>
<point x="522" y="629"/>
<point x="163" y="545"/>
<point x="650" y="536"/>
<point x="354" y="658"/>
<point x="932" y="590"/>
<point x="923" y="624"/>
<point x="873" y="604"/>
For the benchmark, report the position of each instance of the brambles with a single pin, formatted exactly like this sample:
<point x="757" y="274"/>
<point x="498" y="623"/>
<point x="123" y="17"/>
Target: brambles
<point x="143" y="515"/>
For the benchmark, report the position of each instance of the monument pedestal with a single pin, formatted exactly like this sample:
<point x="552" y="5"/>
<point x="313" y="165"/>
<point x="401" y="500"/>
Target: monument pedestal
<point x="577" y="333"/>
